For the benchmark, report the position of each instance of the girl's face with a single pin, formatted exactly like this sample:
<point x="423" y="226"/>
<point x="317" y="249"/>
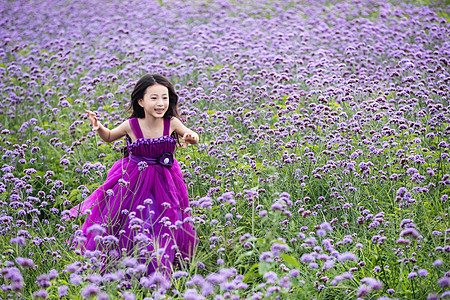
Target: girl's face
<point x="156" y="101"/>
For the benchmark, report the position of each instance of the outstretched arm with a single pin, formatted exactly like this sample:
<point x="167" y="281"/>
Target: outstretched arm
<point x="106" y="134"/>
<point x="187" y="136"/>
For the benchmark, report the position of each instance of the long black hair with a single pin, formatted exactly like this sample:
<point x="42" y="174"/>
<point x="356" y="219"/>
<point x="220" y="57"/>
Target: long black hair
<point x="139" y="91"/>
<point x="137" y="111"/>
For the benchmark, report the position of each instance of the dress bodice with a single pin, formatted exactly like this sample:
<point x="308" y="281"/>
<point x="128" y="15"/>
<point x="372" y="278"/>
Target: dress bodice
<point x="150" y="147"/>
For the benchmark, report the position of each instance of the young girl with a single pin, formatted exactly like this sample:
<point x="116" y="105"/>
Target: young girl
<point x="142" y="208"/>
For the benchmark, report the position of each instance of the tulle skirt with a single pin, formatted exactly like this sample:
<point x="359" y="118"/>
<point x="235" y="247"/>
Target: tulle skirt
<point x="141" y="211"/>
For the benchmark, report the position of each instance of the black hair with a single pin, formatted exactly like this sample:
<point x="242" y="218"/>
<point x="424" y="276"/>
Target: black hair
<point x="138" y="93"/>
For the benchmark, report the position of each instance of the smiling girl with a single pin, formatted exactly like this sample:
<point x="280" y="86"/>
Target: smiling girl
<point x="143" y="206"/>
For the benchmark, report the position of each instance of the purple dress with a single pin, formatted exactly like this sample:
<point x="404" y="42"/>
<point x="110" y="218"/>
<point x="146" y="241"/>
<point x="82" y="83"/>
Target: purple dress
<point x="142" y="208"/>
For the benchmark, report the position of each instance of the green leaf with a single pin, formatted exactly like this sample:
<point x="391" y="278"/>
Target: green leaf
<point x="251" y="272"/>
<point x="290" y="260"/>
<point x="242" y="256"/>
<point x="264" y="267"/>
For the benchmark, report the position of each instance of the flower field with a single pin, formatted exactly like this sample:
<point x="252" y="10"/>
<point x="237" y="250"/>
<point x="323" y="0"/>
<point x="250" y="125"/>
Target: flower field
<point x="323" y="168"/>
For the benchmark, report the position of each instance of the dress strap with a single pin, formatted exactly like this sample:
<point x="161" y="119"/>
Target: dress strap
<point x="134" y="124"/>
<point x="166" y="126"/>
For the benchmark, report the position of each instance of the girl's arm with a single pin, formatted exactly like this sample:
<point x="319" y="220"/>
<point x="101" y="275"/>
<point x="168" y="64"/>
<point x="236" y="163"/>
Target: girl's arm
<point x="106" y="134"/>
<point x="187" y="135"/>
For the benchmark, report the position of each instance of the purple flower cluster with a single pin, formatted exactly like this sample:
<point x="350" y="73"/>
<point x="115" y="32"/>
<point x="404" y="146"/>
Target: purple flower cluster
<point x="324" y="152"/>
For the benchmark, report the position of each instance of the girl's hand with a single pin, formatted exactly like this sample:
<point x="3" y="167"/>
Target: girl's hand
<point x="93" y="118"/>
<point x="188" y="138"/>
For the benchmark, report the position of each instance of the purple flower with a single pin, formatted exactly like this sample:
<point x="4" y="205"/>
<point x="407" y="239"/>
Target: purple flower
<point x="313" y="265"/>
<point x="321" y="232"/>
<point x="328" y="264"/>
<point x="90" y="290"/>
<point x="412" y="171"/>
<point x="102" y="296"/>
<point x="62" y="290"/>
<point x="25" y="262"/>
<point x="294" y="273"/>
<point x="410" y="231"/>
<point x="326" y="226"/>
<point x="306" y="257"/>
<point x="422" y="272"/>
<point x="94" y="278"/>
<point x="178" y="274"/>
<point x="277" y="248"/>
<point x="75" y="279"/>
<point x="216" y="278"/>
<point x="18" y="240"/>
<point x="266" y="256"/>
<point x="401" y="191"/>
<point x="160" y="280"/>
<point x="373" y="283"/>
<point x="12" y="273"/>
<point x="285" y="282"/>
<point x="96" y="229"/>
<point x="40" y="294"/>
<point x="406" y="222"/>
<point x="347" y="256"/>
<point x="129" y="262"/>
<point x="341" y="277"/>
<point x="402" y="241"/>
<point x="244" y="237"/>
<point x="197" y="279"/>
<point x="277" y="206"/>
<point x="270" y="277"/>
<point x="128" y="296"/>
<point x="444" y="282"/>
<point x="363" y="290"/>
<point x="271" y="290"/>
<point x="110" y="239"/>
<point x="43" y="281"/>
<point x="227" y="196"/>
<point x="225" y="286"/>
<point x="192" y="294"/>
<point x="52" y="274"/>
<point x="207" y="288"/>
<point x="437" y="262"/>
